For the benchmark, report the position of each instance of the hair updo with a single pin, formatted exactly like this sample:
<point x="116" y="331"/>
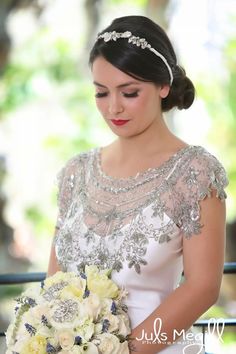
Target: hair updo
<point x="144" y="65"/>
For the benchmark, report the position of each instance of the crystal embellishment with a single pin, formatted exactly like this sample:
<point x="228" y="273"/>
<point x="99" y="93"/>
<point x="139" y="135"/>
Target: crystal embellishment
<point x="112" y="222"/>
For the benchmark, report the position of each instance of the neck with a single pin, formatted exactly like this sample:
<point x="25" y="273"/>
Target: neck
<point x="157" y="138"/>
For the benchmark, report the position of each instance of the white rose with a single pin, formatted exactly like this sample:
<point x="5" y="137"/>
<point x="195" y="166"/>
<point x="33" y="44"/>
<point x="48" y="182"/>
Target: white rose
<point x="106" y="306"/>
<point x="18" y="346"/>
<point x="53" y="341"/>
<point x="66" y="339"/>
<point x="98" y="328"/>
<point x="22" y="332"/>
<point x="107" y="343"/>
<point x="28" y="317"/>
<point x="93" y="306"/>
<point x="114" y="322"/>
<point x="91" y="349"/>
<point x="124" y="324"/>
<point x="80" y="283"/>
<point x="75" y="350"/>
<point x="45" y="331"/>
<point x="32" y="292"/>
<point x="39" y="311"/>
<point x="86" y="330"/>
<point x="124" y="348"/>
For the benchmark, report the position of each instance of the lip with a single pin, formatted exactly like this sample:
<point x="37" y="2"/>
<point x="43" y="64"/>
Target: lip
<point x="119" y="121"/>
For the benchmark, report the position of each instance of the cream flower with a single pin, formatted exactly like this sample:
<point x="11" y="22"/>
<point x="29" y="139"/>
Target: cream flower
<point x="66" y="339"/>
<point x="124" y="348"/>
<point x="124" y="324"/>
<point x="86" y="330"/>
<point x="75" y="350"/>
<point x="91" y="348"/>
<point x="32" y="292"/>
<point x="45" y="331"/>
<point x="40" y="310"/>
<point x="98" y="328"/>
<point x="35" y="345"/>
<point x="17" y="347"/>
<point x="99" y="283"/>
<point x="53" y="341"/>
<point x="72" y="291"/>
<point x="34" y="315"/>
<point x="92" y="306"/>
<point x="113" y="322"/>
<point x="58" y="277"/>
<point x="106" y="306"/>
<point x="107" y="343"/>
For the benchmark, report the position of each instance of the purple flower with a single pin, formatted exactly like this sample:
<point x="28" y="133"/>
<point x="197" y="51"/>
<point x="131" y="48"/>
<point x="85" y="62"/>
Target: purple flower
<point x="50" y="348"/>
<point x="86" y="293"/>
<point x="44" y="320"/>
<point x="105" y="325"/>
<point x="30" y="329"/>
<point x="113" y="308"/>
<point x="78" y="340"/>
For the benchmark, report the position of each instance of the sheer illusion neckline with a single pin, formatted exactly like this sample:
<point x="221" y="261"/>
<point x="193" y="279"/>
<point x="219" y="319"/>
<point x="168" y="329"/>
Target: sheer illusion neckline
<point x="149" y="170"/>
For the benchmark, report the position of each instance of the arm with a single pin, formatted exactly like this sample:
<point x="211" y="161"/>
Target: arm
<point x="203" y="257"/>
<point x="53" y="265"/>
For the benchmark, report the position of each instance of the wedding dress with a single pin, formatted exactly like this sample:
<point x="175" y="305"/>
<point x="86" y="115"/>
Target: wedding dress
<point x="136" y="225"/>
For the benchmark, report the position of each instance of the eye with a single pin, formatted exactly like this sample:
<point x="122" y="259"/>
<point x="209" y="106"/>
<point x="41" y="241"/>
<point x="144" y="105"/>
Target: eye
<point x="100" y="94"/>
<point x="130" y="95"/>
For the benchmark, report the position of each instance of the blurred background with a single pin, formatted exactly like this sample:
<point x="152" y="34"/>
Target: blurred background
<point x="48" y="114"/>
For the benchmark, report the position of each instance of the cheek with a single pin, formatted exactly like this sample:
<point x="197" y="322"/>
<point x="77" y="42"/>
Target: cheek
<point x="140" y="104"/>
<point x="149" y="103"/>
<point x="101" y="105"/>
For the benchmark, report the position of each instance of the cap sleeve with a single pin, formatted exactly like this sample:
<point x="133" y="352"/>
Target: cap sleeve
<point x="201" y="176"/>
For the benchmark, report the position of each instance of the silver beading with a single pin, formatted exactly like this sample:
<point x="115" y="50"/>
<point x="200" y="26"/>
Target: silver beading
<point x="139" y="42"/>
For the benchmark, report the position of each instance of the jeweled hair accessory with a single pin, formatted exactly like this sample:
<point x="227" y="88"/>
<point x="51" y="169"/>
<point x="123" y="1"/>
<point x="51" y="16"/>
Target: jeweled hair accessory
<point x="139" y="42"/>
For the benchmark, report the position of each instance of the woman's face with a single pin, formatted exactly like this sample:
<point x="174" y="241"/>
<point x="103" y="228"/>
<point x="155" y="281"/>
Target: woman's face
<point x="121" y="97"/>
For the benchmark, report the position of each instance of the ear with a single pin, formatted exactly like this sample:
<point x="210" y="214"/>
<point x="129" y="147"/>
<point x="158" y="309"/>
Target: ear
<point x="164" y="91"/>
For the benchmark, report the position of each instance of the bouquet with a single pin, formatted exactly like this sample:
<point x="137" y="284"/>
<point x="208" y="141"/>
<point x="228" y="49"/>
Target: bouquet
<point x="71" y="314"/>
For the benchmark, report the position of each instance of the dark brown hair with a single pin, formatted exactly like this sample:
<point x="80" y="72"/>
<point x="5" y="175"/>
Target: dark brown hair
<point x="144" y="65"/>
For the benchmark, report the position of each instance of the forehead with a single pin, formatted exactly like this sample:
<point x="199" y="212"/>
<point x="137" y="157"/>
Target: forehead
<point x="105" y="73"/>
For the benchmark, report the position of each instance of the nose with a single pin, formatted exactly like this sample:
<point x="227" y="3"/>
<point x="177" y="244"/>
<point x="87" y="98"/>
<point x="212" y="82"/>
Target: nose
<point x="115" y="105"/>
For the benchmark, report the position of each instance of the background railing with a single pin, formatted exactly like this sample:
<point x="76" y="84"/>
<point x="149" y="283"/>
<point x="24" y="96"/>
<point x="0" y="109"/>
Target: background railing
<point x="14" y="278"/>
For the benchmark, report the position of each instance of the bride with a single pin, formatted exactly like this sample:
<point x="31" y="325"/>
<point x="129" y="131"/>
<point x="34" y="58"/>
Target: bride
<point x="148" y="205"/>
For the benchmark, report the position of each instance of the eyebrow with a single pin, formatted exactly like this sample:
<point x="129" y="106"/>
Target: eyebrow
<point x="119" y="86"/>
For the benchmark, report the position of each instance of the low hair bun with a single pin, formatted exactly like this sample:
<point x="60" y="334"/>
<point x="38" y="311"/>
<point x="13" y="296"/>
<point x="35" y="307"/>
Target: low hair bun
<point x="182" y="91"/>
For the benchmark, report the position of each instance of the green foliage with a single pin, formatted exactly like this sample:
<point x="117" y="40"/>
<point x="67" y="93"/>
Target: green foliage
<point x="219" y="94"/>
<point x="140" y="3"/>
<point x="51" y="62"/>
<point x="10" y="291"/>
<point x="41" y="221"/>
<point x="229" y="337"/>
<point x="15" y="87"/>
<point x="215" y="312"/>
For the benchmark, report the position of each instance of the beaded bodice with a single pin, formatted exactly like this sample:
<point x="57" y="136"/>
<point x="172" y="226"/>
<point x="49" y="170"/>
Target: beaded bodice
<point x="112" y="221"/>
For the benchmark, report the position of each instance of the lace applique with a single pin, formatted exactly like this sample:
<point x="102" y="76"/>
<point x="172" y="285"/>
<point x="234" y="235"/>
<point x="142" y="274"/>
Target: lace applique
<point x="107" y="221"/>
<point x="196" y="182"/>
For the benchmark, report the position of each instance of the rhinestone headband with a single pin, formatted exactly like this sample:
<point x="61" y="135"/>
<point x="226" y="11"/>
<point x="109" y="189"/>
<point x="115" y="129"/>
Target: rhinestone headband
<point x="139" y="42"/>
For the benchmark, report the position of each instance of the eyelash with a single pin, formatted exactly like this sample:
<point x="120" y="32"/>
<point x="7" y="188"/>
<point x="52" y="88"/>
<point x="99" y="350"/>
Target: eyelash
<point x="127" y="95"/>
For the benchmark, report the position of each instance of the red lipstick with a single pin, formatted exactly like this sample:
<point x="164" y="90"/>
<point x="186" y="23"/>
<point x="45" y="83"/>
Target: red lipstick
<point x="119" y="121"/>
